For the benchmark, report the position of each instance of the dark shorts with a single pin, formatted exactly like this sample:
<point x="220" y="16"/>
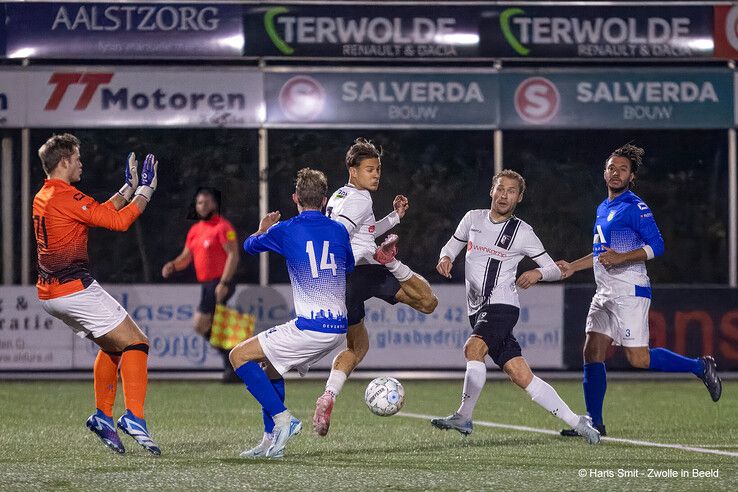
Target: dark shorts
<point x="494" y="324"/>
<point x="207" y="296"/>
<point x="365" y="282"/>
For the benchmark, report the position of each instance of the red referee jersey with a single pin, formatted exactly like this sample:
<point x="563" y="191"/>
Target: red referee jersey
<point x="206" y="241"/>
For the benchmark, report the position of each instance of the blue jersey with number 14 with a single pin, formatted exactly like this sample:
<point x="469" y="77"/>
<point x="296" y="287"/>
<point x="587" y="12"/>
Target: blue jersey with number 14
<point x="318" y="254"/>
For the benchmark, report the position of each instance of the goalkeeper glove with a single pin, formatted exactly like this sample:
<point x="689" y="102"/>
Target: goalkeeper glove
<point x="131" y="178"/>
<point x="148" y="177"/>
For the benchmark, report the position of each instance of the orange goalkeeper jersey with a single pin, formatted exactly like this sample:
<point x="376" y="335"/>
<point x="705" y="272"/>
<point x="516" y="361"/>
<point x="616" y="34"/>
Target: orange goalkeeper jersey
<point x="61" y="217"/>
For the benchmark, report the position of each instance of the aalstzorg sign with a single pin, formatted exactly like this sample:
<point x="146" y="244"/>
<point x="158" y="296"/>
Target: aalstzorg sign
<point x="122" y="30"/>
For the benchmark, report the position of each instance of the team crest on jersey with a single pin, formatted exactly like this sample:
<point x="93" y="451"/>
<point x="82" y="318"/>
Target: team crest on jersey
<point x="340" y="194"/>
<point x="611" y="215"/>
<point x="504" y="240"/>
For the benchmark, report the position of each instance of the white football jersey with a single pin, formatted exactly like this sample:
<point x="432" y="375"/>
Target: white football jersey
<point x="493" y="251"/>
<point x="353" y="208"/>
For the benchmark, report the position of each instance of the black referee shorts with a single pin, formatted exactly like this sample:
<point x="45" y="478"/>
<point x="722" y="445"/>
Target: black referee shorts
<point x="494" y="324"/>
<point x="365" y="282"/>
<point x="207" y="296"/>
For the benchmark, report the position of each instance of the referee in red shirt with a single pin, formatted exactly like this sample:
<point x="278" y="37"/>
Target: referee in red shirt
<point x="211" y="243"/>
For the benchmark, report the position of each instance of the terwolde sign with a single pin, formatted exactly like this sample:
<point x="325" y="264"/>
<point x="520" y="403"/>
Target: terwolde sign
<point x="357" y="31"/>
<point x="527" y="31"/>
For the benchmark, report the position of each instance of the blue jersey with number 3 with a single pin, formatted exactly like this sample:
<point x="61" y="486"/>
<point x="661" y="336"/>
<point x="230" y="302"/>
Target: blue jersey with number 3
<point x="625" y="224"/>
<point x="318" y="254"/>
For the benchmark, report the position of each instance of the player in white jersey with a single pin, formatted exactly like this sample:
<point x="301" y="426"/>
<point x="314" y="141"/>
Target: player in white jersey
<point x="495" y="242"/>
<point x="378" y="273"/>
<point x="625" y="237"/>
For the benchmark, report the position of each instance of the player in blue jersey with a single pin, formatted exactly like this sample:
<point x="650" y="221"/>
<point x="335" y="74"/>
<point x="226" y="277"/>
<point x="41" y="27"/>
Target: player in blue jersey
<point x="318" y="254"/>
<point x="625" y="237"/>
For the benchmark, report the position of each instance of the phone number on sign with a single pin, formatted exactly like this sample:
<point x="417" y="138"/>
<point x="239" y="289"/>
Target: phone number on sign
<point x="408" y="316"/>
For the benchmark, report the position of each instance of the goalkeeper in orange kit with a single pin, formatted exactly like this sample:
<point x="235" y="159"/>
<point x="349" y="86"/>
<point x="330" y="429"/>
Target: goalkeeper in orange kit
<point x="62" y="216"/>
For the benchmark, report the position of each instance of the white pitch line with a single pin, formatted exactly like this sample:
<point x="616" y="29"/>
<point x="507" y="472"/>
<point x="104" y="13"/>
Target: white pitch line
<point x="727" y="446"/>
<point x="634" y="442"/>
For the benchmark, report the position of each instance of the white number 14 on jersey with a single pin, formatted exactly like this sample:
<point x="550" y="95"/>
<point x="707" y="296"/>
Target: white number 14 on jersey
<point x="327" y="260"/>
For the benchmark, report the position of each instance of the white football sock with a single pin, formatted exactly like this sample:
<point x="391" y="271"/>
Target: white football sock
<point x="335" y="381"/>
<point x="542" y="393"/>
<point x="474" y="379"/>
<point x="401" y="271"/>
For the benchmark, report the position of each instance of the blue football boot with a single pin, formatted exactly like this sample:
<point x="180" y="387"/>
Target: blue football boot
<point x="104" y="428"/>
<point x="136" y="428"/>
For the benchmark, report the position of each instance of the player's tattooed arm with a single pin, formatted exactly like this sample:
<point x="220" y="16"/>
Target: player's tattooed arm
<point x="611" y="258"/>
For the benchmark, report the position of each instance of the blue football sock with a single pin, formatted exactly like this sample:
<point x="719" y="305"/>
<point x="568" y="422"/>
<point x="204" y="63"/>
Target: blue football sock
<point x="595" y="386"/>
<point x="258" y="385"/>
<point x="278" y="385"/>
<point x="664" y="360"/>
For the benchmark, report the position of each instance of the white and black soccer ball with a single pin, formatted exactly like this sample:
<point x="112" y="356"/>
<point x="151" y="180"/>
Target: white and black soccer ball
<point x="384" y="396"/>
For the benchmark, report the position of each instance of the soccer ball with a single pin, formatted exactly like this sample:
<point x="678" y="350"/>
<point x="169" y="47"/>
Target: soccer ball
<point x="384" y="396"/>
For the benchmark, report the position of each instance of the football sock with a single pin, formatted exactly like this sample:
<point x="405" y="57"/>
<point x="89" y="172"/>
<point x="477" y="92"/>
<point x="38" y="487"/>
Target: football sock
<point x="667" y="361"/>
<point x="261" y="388"/>
<point x="134" y="374"/>
<point x="278" y="385"/>
<point x="542" y="393"/>
<point x="474" y="379"/>
<point x="105" y="376"/>
<point x="335" y="381"/>
<point x="401" y="271"/>
<point x="595" y="386"/>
